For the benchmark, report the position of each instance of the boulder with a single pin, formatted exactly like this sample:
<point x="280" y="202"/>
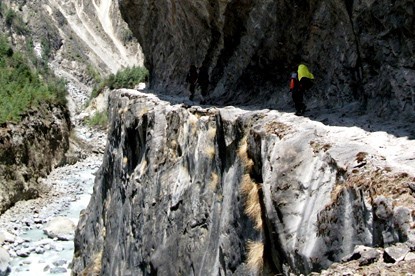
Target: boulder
<point x="6" y="237"/>
<point x="410" y="257"/>
<point x="365" y="255"/>
<point x="24" y="252"/>
<point x="61" y="228"/>
<point x="4" y="262"/>
<point x="58" y="270"/>
<point x="395" y="253"/>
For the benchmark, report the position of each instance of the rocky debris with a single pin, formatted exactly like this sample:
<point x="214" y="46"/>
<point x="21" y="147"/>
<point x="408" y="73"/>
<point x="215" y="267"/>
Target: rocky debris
<point x="410" y="257"/>
<point x="364" y="255"/>
<point x="250" y="48"/>
<point x="4" y="262"/>
<point x="6" y="237"/>
<point x="396" y="253"/>
<point x="56" y="270"/>
<point x="394" y="260"/>
<point x="22" y="225"/>
<point x="61" y="228"/>
<point x="177" y="182"/>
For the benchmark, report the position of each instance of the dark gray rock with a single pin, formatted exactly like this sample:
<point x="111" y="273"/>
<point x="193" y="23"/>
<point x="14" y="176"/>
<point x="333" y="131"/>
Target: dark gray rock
<point x="410" y="244"/>
<point x="29" y="151"/>
<point x="411" y="185"/>
<point x="365" y="255"/>
<point x="24" y="252"/>
<point x="59" y="263"/>
<point x="395" y="253"/>
<point x="175" y="184"/>
<point x="57" y="270"/>
<point x="250" y="48"/>
<point x="39" y="250"/>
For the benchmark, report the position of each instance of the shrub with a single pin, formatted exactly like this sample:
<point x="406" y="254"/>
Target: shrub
<point x="10" y="15"/>
<point x="94" y="74"/>
<point x="126" y="78"/>
<point x="15" y="21"/>
<point x="21" y="87"/>
<point x="99" y="119"/>
<point x="2" y="9"/>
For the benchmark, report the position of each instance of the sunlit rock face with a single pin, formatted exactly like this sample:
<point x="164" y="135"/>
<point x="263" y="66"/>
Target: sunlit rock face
<point x="187" y="190"/>
<point x="358" y="50"/>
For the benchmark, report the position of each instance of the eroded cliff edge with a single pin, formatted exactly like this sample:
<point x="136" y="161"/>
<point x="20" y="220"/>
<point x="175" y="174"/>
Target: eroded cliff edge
<point x="29" y="150"/>
<point x="192" y="191"/>
<point x="359" y="50"/>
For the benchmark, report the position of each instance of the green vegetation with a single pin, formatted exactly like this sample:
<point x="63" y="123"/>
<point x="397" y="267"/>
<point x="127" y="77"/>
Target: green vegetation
<point x="126" y="35"/>
<point x="14" y="21"/>
<point x="126" y="78"/>
<point x="22" y="87"/>
<point x="93" y="73"/>
<point x="99" y="119"/>
<point x="2" y="8"/>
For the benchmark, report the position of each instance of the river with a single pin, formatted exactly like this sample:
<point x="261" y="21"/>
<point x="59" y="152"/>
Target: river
<point x="69" y="190"/>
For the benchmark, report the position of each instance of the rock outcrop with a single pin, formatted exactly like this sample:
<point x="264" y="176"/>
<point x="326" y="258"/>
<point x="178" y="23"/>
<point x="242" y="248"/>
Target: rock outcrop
<point x="80" y="40"/>
<point x="358" y="50"/>
<point x="192" y="191"/>
<point x="29" y="150"/>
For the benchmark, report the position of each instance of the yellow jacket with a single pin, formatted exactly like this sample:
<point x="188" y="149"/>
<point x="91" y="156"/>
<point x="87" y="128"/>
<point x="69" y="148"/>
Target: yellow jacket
<point x="304" y="72"/>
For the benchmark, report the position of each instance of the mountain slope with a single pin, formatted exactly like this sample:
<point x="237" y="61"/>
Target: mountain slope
<point x="68" y="39"/>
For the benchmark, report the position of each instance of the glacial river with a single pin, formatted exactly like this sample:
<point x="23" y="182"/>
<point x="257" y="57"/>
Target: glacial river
<point x="32" y="251"/>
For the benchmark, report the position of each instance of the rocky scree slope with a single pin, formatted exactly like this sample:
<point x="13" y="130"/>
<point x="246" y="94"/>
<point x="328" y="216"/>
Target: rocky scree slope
<point x="214" y="191"/>
<point x="358" y="50"/>
<point x="80" y="39"/>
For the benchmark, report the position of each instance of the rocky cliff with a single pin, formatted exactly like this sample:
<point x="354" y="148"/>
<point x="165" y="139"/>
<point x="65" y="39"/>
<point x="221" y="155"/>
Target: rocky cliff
<point x="30" y="150"/>
<point x="358" y="50"/>
<point x="192" y="191"/>
<point x="81" y="40"/>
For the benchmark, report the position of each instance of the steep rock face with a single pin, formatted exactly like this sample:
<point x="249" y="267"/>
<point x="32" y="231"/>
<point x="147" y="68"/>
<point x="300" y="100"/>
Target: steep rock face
<point x="357" y="50"/>
<point x="79" y="39"/>
<point x="29" y="151"/>
<point x="231" y="191"/>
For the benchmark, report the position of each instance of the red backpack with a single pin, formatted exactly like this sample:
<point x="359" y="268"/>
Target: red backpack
<point x="293" y="81"/>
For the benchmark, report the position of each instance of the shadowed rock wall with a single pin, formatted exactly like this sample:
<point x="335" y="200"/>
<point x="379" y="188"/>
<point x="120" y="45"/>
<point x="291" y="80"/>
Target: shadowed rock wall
<point x="358" y="50"/>
<point x="30" y="150"/>
<point x="188" y="191"/>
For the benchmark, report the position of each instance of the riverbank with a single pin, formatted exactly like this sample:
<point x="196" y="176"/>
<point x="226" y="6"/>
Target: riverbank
<point x="31" y="251"/>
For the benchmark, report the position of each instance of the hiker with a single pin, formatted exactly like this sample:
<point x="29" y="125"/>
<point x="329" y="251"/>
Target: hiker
<point x="191" y="79"/>
<point x="203" y="81"/>
<point x="300" y="81"/>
